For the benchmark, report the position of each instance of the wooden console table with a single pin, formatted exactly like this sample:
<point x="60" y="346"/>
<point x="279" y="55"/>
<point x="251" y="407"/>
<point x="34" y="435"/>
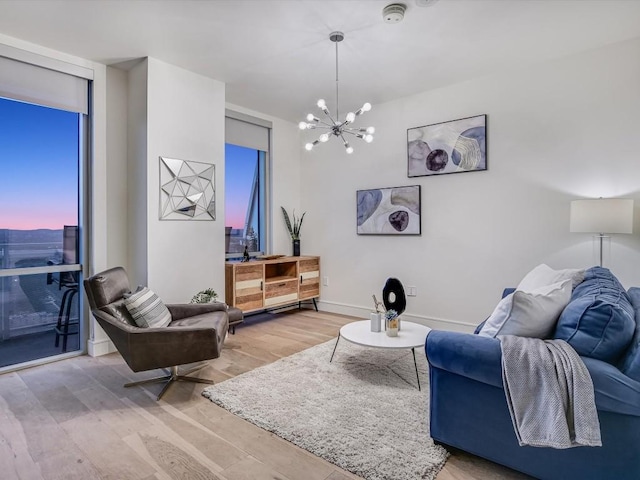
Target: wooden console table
<point x="261" y="284"/>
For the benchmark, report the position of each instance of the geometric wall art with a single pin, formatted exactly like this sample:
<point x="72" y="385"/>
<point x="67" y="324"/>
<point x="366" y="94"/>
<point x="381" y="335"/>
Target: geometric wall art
<point x="389" y="211"/>
<point x="187" y="190"/>
<point x="448" y="147"/>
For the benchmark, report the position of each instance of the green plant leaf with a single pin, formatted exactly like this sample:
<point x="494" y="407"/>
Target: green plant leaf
<point x="287" y="222"/>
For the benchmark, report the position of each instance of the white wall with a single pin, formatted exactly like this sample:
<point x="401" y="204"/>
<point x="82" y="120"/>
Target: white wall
<point x="184" y="119"/>
<point x="117" y="174"/>
<point x="136" y="214"/>
<point x="559" y="131"/>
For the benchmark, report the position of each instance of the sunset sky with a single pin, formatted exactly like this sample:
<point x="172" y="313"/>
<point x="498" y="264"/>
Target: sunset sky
<point x="240" y="165"/>
<point x="38" y="167"/>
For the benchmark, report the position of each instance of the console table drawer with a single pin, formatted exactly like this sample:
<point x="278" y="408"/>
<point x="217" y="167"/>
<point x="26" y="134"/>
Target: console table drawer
<point x="281" y="292"/>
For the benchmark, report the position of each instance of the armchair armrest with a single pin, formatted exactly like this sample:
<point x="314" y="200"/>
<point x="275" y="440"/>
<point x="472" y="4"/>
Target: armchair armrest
<point x="183" y="310"/>
<point x="466" y="354"/>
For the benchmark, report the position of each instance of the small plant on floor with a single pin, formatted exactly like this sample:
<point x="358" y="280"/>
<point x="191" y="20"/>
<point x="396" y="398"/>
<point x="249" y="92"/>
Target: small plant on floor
<point x="205" y="296"/>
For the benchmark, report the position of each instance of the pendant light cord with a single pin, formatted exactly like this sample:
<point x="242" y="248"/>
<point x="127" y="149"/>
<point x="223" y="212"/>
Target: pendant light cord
<point x="337" y="94"/>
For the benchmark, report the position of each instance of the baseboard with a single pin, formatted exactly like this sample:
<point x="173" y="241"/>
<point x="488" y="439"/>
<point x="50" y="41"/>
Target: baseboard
<point x="363" y="312"/>
<point x="96" y="348"/>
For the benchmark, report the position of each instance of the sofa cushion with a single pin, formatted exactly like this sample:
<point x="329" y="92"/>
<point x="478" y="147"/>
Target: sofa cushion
<point x="529" y="314"/>
<point x="630" y="362"/>
<point x="146" y="309"/>
<point x="543" y="275"/>
<point x="599" y="320"/>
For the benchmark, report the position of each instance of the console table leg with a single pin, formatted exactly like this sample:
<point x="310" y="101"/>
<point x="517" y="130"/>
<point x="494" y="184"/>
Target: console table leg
<point x="336" y="346"/>
<point x="413" y="350"/>
<point x="315" y="304"/>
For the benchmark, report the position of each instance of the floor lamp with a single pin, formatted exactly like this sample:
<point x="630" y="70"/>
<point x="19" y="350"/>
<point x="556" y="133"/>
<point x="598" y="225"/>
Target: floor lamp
<point x="602" y="216"/>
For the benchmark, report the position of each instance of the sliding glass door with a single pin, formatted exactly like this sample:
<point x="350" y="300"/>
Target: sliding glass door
<point x="41" y="159"/>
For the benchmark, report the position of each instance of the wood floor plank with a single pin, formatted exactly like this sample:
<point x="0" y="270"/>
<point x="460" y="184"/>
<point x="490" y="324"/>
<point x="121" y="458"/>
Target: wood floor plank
<point x="15" y="459"/>
<point x="103" y="446"/>
<point x="196" y="437"/>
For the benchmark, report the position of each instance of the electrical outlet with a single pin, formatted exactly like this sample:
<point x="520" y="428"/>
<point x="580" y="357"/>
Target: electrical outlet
<point x="412" y="291"/>
<point x="325" y="281"/>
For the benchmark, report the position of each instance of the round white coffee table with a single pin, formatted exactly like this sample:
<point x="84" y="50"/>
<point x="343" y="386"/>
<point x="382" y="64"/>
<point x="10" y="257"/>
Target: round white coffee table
<point x="411" y="335"/>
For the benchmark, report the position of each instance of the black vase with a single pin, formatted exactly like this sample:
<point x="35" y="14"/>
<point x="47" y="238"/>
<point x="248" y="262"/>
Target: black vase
<point x="296" y="248"/>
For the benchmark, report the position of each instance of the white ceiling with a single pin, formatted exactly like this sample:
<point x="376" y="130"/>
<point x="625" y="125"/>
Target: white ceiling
<point x="275" y="56"/>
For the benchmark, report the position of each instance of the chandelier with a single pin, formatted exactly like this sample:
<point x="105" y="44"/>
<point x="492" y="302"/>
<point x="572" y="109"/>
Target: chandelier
<point x="333" y="126"/>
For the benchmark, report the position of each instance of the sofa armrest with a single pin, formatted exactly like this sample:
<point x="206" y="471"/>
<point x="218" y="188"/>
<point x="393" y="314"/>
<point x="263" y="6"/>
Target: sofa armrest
<point x="183" y="310"/>
<point x="466" y="354"/>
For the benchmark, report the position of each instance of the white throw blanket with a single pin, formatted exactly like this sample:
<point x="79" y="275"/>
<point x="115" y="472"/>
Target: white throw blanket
<point x="549" y="393"/>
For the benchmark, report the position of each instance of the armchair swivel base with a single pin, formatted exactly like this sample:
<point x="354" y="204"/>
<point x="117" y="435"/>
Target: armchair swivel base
<point x="172" y="376"/>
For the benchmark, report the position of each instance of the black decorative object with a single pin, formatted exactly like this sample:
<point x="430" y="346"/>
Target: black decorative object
<point x="296" y="248"/>
<point x="399" y="302"/>
<point x="245" y="255"/>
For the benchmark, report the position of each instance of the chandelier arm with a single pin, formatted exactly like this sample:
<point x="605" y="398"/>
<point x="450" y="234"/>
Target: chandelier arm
<point x="324" y="124"/>
<point x="350" y="132"/>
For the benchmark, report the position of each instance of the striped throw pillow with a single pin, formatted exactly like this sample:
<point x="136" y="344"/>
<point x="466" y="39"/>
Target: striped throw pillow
<point x="147" y="309"/>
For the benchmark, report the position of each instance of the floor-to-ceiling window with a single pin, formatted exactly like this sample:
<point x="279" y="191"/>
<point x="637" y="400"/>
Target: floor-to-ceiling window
<point x="246" y="184"/>
<point x="42" y="159"/>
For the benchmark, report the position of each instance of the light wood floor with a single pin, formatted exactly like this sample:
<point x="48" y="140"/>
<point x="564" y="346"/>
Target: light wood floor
<point x="73" y="419"/>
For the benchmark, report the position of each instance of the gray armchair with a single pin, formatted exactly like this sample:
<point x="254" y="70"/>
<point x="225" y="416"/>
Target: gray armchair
<point x="196" y="332"/>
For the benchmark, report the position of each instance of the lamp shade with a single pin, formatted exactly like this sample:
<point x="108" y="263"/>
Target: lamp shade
<point x="602" y="215"/>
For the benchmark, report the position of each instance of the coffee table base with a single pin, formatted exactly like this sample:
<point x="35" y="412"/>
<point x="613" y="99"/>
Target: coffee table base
<point x="413" y="351"/>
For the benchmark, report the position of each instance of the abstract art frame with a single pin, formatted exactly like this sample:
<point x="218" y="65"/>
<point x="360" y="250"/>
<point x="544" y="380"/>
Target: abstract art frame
<point x="454" y="146"/>
<point x="187" y="190"/>
<point x="389" y="211"/>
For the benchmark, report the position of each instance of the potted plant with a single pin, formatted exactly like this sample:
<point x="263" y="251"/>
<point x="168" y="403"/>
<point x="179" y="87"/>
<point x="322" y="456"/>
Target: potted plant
<point x="392" y="322"/>
<point x="294" y="230"/>
<point x="205" y="296"/>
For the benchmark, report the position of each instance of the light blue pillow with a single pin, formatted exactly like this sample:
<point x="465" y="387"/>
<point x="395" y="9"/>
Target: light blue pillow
<point x="599" y="320"/>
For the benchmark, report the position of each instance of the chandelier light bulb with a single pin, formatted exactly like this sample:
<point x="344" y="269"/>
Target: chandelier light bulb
<point x="349" y="150"/>
<point x="309" y="146"/>
<point x="324" y="137"/>
<point x="302" y="125"/>
<point x="371" y="130"/>
<point x="366" y="107"/>
<point x="351" y="117"/>
<point x="311" y="117"/>
<point x="368" y="138"/>
<point x="322" y="104"/>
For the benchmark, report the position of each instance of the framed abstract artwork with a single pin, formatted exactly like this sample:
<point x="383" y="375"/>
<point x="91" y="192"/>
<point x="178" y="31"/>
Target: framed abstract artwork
<point x="389" y="211"/>
<point x="449" y="147"/>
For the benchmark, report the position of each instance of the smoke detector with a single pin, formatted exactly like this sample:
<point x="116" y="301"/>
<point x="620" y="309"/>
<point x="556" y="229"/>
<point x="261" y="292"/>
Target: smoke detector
<point x="394" y="13"/>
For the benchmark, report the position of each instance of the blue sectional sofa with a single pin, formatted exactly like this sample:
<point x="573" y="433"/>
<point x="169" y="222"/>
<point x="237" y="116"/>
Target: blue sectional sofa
<point x="468" y="409"/>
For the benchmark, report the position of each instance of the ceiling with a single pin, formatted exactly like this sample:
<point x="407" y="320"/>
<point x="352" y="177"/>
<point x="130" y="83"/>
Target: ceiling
<point x="275" y="55"/>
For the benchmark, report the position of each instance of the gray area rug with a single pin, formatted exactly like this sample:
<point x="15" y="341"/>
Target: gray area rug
<point x="362" y="412"/>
